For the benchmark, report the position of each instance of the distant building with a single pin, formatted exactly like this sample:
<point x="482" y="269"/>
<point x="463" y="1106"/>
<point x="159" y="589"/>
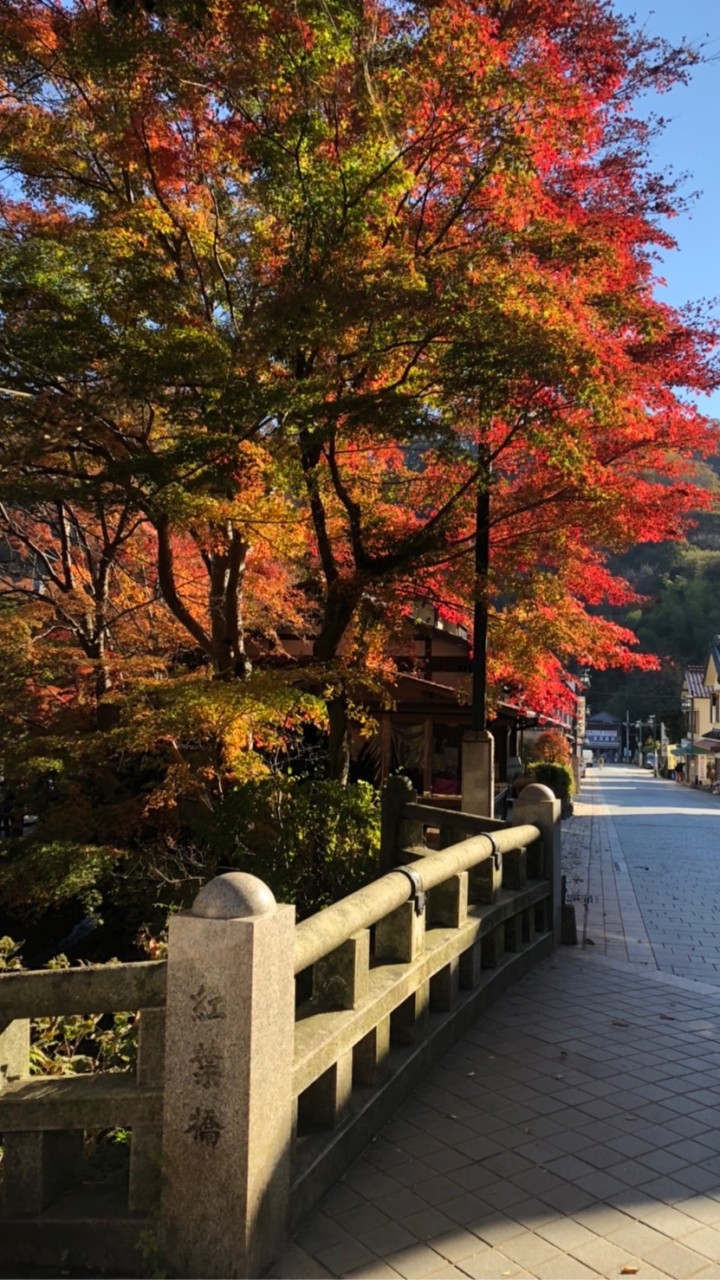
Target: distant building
<point x="701" y="703"/>
<point x="697" y="700"/>
<point x="603" y="736"/>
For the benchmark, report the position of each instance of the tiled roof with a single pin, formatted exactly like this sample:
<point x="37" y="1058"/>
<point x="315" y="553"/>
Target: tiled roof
<point x="694" y="681"/>
<point x="714" y="653"/>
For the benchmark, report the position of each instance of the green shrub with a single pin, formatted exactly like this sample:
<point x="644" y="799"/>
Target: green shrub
<point x="558" y="777"/>
<point x="311" y="840"/>
<point x="36" y="876"/>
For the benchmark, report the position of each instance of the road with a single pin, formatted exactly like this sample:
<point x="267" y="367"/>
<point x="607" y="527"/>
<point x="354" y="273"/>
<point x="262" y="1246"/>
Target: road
<point x="642" y="859"/>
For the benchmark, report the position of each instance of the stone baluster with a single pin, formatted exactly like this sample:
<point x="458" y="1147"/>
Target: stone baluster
<point x="486" y="880"/>
<point x="448" y="907"/>
<point x="340" y="979"/>
<point x="146" y="1139"/>
<point x="370" y="1055"/>
<point x="513" y="933"/>
<point x="38" y="1164"/>
<point x="14" y="1051"/>
<point x="536" y="804"/>
<point x="492" y="947"/>
<point x="400" y="937"/>
<point x="324" y="1104"/>
<point x="515" y="869"/>
<point x="397" y="832"/>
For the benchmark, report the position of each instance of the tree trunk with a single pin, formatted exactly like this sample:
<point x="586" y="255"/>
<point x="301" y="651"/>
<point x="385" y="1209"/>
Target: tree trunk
<point x="171" y="596"/>
<point x="107" y="714"/>
<point x="234" y="602"/>
<point x="340" y="606"/>
<point x="339" y="744"/>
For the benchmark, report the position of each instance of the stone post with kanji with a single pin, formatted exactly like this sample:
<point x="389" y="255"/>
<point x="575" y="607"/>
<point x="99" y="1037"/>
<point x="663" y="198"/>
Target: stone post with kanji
<point x="228" y="1104"/>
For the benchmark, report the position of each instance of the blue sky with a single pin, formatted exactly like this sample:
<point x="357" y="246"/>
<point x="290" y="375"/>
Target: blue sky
<point x="690" y="143"/>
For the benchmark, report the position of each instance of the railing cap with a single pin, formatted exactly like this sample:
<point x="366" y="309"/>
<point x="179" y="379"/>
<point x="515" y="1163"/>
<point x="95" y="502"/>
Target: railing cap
<point x="233" y="896"/>
<point x="536" y="791"/>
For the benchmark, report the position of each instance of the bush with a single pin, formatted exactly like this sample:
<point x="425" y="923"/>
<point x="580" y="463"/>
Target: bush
<point x="558" y="777"/>
<point x="36" y="877"/>
<point x="311" y="840"/>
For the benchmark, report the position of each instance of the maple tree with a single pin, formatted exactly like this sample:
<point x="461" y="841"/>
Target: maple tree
<point x="282" y="281"/>
<point x="552" y="747"/>
<point x="87" y="578"/>
<point x="507" y="242"/>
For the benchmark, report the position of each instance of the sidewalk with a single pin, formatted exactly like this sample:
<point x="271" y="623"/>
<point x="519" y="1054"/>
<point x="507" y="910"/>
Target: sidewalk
<point x="597" y="882"/>
<point x="574" y="1131"/>
<point x="643" y="881"/>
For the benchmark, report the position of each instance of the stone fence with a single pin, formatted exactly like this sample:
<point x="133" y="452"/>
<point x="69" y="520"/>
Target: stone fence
<point x="269" y="1052"/>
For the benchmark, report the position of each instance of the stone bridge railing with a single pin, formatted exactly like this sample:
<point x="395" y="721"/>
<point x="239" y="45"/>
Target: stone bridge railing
<point x="269" y="1052"/>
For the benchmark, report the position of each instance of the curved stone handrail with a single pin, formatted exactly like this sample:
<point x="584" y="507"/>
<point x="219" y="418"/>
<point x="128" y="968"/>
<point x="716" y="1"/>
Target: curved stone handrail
<point x="322" y="933"/>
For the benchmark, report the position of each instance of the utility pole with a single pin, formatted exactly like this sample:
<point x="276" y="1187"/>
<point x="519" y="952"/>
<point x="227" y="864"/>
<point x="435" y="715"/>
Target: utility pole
<point x="627" y="731"/>
<point x="480" y="611"/>
<point x="478" y="747"/>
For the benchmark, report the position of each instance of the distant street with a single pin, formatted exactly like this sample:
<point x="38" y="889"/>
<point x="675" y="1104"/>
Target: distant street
<point x="650" y="870"/>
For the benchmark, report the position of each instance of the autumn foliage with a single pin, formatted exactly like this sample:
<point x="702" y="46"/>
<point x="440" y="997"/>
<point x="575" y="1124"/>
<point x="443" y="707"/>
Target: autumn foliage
<point x="282" y="286"/>
<point x="551" y="747"/>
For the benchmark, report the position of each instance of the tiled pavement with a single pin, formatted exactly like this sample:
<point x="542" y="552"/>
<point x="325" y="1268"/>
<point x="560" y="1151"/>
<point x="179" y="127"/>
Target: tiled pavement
<point x="575" y="1130"/>
<point x="643" y="854"/>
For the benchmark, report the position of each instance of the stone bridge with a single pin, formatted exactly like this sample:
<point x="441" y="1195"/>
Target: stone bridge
<point x="389" y="1115"/>
<point x="270" y="1053"/>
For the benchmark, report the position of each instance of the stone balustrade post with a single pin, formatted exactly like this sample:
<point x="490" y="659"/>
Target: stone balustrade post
<point x="14" y="1051"/>
<point x="396" y="831"/>
<point x="537" y="805"/>
<point x="228" y="1105"/>
<point x="478" y="773"/>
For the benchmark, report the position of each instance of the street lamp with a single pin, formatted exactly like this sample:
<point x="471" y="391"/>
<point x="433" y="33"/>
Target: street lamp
<point x="688" y="706"/>
<point x="579" y="685"/>
<point x="651" y="722"/>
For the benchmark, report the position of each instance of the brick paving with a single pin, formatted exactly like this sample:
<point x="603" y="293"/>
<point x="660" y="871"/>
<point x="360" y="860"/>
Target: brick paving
<point x="574" y="1130"/>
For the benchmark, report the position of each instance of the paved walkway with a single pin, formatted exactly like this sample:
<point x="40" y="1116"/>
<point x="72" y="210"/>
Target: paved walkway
<point x="575" y="1130"/>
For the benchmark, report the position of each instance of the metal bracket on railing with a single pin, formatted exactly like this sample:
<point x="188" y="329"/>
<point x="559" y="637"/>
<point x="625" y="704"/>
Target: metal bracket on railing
<point x="497" y="859"/>
<point x="418" y="893"/>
